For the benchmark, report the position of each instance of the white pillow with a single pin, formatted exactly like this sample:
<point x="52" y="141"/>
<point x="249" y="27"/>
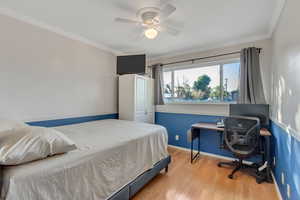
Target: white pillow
<point x="6" y="124"/>
<point x="22" y="145"/>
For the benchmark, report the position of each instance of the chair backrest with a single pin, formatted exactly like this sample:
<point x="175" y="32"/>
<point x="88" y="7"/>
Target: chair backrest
<point x="241" y="135"/>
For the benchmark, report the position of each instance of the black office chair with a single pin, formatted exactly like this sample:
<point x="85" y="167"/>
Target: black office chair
<point x="241" y="137"/>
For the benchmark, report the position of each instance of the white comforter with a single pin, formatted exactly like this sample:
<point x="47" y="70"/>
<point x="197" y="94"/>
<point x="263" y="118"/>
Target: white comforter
<point x="111" y="154"/>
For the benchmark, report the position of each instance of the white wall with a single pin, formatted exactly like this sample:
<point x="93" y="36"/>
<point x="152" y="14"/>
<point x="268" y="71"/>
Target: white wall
<point x="220" y="109"/>
<point x="47" y="76"/>
<point x="285" y="98"/>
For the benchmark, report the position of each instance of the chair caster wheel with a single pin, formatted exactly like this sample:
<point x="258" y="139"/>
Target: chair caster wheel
<point x="259" y="180"/>
<point x="230" y="176"/>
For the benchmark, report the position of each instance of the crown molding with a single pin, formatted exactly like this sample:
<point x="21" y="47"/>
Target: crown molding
<point x="215" y="46"/>
<point x="29" y="20"/>
<point x="276" y="16"/>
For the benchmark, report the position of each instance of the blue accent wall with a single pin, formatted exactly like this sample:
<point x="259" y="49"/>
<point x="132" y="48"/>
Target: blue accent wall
<point x="178" y="124"/>
<point x="74" y="120"/>
<point x="286" y="149"/>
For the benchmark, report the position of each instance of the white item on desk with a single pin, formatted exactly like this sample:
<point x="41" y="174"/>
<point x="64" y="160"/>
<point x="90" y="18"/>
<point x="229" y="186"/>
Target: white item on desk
<point x="220" y="124"/>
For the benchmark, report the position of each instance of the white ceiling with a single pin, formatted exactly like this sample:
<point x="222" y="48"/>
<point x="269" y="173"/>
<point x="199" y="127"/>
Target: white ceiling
<point x="204" y="23"/>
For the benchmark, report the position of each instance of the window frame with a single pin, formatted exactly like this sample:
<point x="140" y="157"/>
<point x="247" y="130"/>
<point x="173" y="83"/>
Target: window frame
<point x="221" y="63"/>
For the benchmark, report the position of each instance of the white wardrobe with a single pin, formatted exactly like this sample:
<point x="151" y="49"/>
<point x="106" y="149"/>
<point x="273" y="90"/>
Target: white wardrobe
<point x="136" y="101"/>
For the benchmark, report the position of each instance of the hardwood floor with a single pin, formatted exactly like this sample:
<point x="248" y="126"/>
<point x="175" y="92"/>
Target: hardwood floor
<point x="203" y="180"/>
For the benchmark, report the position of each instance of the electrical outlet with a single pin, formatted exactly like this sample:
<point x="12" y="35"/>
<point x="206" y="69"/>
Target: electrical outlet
<point x="177" y="137"/>
<point x="274" y="161"/>
<point x="288" y="190"/>
<point x="282" y="178"/>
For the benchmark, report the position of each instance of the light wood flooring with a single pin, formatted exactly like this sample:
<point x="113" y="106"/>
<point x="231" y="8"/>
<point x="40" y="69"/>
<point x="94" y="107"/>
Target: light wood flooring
<point x="203" y="180"/>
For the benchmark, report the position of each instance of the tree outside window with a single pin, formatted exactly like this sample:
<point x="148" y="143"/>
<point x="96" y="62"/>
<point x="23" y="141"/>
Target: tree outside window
<point x="217" y="83"/>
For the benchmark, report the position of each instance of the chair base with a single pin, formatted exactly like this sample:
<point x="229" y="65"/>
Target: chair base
<point x="238" y="165"/>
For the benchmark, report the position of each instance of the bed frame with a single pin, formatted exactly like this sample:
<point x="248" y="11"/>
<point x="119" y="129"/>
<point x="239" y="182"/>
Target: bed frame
<point x="128" y="191"/>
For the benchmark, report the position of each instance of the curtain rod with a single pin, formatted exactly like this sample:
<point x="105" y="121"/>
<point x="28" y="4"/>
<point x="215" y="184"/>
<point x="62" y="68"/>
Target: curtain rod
<point x="201" y="58"/>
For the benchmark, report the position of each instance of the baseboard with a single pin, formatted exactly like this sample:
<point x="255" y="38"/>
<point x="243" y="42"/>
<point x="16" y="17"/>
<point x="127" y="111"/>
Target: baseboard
<point x="276" y="187"/>
<point x="210" y="154"/>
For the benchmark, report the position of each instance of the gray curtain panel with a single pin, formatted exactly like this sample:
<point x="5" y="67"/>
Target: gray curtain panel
<point x="157" y="71"/>
<point x="251" y="87"/>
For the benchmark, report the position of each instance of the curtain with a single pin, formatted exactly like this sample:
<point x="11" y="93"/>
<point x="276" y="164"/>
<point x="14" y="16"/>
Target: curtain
<point x="157" y="71"/>
<point x="251" y="87"/>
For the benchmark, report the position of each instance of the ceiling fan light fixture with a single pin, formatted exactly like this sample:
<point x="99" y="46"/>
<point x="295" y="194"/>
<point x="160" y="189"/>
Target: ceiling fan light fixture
<point x="151" y="33"/>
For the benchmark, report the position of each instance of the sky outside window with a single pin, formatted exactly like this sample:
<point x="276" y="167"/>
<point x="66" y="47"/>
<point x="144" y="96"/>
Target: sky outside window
<point x="231" y="72"/>
<point x="192" y="74"/>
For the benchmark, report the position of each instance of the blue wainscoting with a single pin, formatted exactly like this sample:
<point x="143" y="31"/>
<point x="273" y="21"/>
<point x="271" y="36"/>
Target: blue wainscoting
<point x="74" y="120"/>
<point x="287" y="156"/>
<point x="178" y="124"/>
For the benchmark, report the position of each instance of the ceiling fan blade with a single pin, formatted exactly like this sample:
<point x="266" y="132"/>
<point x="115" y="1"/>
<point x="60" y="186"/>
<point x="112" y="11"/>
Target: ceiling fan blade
<point x="126" y="21"/>
<point x="124" y="6"/>
<point x="167" y="10"/>
<point x="164" y="2"/>
<point x="137" y="33"/>
<point x="171" y="30"/>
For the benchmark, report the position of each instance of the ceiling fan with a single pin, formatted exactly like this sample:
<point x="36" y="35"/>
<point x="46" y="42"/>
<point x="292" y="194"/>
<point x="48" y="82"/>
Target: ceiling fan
<point x="153" y="20"/>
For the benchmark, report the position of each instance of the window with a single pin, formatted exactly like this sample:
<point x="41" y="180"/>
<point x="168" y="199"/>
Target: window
<point x="197" y="84"/>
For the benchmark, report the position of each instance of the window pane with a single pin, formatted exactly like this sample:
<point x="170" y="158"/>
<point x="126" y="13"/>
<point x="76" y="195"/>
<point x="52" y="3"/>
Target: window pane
<point x="196" y="84"/>
<point x="231" y="77"/>
<point x="167" y="86"/>
<point x="203" y="84"/>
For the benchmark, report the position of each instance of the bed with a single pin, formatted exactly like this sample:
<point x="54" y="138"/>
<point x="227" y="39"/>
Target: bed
<point x="114" y="159"/>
